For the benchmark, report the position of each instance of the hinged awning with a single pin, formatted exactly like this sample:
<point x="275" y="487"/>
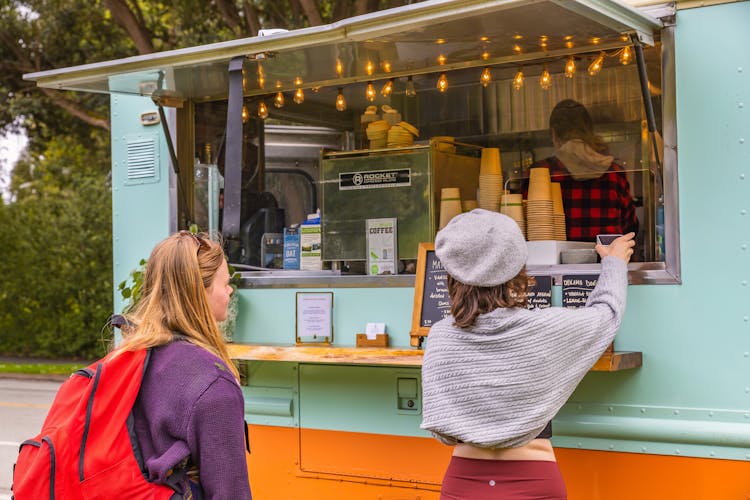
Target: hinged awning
<point x="403" y="41"/>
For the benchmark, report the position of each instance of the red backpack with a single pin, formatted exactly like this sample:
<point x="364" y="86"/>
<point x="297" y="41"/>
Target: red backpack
<point x="87" y="448"/>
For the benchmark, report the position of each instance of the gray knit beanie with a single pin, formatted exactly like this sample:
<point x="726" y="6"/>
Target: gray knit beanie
<point x="481" y="248"/>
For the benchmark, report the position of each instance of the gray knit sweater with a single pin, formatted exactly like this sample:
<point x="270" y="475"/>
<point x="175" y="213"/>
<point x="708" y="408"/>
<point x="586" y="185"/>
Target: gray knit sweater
<point x="498" y="383"/>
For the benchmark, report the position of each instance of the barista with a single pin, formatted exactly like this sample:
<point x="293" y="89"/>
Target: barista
<point x="595" y="189"/>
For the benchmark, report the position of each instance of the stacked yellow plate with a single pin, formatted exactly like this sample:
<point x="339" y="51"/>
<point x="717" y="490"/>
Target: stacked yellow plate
<point x="377" y="133"/>
<point x="402" y="134"/>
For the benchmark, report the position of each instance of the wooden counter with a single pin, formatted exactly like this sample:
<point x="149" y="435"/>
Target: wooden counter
<point x="609" y="362"/>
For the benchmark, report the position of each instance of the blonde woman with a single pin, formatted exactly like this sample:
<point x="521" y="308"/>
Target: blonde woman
<point x="189" y="414"/>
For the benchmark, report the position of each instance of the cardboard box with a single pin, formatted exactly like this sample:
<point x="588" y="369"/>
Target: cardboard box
<point x="310" y="258"/>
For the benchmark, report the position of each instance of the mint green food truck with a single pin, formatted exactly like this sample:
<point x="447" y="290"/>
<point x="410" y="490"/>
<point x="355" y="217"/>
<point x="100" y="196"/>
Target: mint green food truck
<point x="324" y="156"/>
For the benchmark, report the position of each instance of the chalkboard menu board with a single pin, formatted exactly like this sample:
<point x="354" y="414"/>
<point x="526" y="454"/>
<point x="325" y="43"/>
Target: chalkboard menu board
<point x="576" y="289"/>
<point x="540" y="295"/>
<point x="431" y="300"/>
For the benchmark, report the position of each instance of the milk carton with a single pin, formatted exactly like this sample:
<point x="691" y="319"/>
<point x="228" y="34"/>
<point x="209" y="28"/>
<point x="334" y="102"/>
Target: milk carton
<point x="292" y="247"/>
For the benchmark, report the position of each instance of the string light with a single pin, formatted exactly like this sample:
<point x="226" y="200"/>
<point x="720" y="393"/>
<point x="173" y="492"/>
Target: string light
<point x="299" y="96"/>
<point x="369" y="68"/>
<point x="545" y="81"/>
<point x="339" y="67"/>
<point x="411" y="91"/>
<point x="442" y="82"/>
<point x="278" y="101"/>
<point x="245" y="114"/>
<point x="387" y="88"/>
<point x="442" y="59"/>
<point x="518" y="80"/>
<point x="596" y="66"/>
<point x="387" y="67"/>
<point x="370" y="92"/>
<point x="262" y="110"/>
<point x="570" y="67"/>
<point x="297" y="81"/>
<point x="340" y="101"/>
<point x="485" y="55"/>
<point x="625" y="56"/>
<point x="486" y="77"/>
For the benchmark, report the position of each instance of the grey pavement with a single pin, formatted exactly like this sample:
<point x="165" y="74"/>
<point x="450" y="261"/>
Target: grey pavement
<point x="24" y="403"/>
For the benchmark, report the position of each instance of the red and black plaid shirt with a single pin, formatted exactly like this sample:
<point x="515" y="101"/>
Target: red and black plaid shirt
<point x="596" y="206"/>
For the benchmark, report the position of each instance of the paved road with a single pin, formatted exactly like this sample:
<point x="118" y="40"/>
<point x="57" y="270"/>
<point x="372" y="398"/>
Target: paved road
<point x="23" y="406"/>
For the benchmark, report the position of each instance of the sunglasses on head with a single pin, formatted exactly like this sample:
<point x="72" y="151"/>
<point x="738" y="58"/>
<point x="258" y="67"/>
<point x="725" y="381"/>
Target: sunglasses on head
<point x="198" y="240"/>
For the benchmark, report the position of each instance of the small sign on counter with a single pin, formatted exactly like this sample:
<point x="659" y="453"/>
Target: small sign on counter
<point x="314" y="317"/>
<point x="540" y="295"/>
<point x="577" y="288"/>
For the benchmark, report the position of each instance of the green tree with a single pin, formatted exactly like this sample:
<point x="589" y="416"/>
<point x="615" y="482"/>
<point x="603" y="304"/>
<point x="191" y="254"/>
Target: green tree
<point x="55" y="235"/>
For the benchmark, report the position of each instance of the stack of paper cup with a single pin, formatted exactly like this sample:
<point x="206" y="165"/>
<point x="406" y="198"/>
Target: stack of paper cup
<point x="469" y="205"/>
<point x="450" y="204"/>
<point x="558" y="212"/>
<point x="490" y="179"/>
<point x="512" y="206"/>
<point x="539" y="221"/>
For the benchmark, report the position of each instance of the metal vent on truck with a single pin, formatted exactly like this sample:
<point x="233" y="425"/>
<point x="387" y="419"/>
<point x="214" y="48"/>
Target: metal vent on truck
<point x="142" y="160"/>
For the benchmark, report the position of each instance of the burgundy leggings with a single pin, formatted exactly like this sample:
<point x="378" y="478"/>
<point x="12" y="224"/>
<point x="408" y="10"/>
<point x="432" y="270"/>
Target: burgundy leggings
<point x="475" y="479"/>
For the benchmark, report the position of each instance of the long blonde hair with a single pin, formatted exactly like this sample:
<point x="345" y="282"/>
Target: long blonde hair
<point x="173" y="297"/>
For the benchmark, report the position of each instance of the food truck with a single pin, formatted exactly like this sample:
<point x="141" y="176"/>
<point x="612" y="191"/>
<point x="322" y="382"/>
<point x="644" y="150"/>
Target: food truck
<point x="328" y="157"/>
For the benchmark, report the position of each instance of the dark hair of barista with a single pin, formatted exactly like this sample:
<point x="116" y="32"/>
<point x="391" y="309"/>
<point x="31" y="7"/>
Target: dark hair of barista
<point x="468" y="302"/>
<point x="570" y="120"/>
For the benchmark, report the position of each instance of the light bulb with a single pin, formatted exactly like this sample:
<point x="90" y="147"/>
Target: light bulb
<point x="245" y="114"/>
<point x="518" y="80"/>
<point x="570" y="67"/>
<point x="278" y="101"/>
<point x="298" y="81"/>
<point x="340" y="101"/>
<point x="625" y="56"/>
<point x="485" y="55"/>
<point x="299" y="96"/>
<point x="486" y="77"/>
<point x="387" y="88"/>
<point x="369" y="67"/>
<point x="410" y="90"/>
<point x="370" y="92"/>
<point x="262" y="110"/>
<point x="442" y="82"/>
<point x="545" y="81"/>
<point x="339" y="67"/>
<point x="261" y="77"/>
<point x="387" y="67"/>
<point x="596" y="66"/>
<point x="278" y="84"/>
<point x="441" y="59"/>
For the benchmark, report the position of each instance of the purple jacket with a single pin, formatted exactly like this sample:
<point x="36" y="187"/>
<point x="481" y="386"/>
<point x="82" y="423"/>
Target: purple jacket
<point x="190" y="405"/>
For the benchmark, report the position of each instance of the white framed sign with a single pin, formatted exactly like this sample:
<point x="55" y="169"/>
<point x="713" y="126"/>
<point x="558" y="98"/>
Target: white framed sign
<point x="314" y="317"/>
<point x="382" y="246"/>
